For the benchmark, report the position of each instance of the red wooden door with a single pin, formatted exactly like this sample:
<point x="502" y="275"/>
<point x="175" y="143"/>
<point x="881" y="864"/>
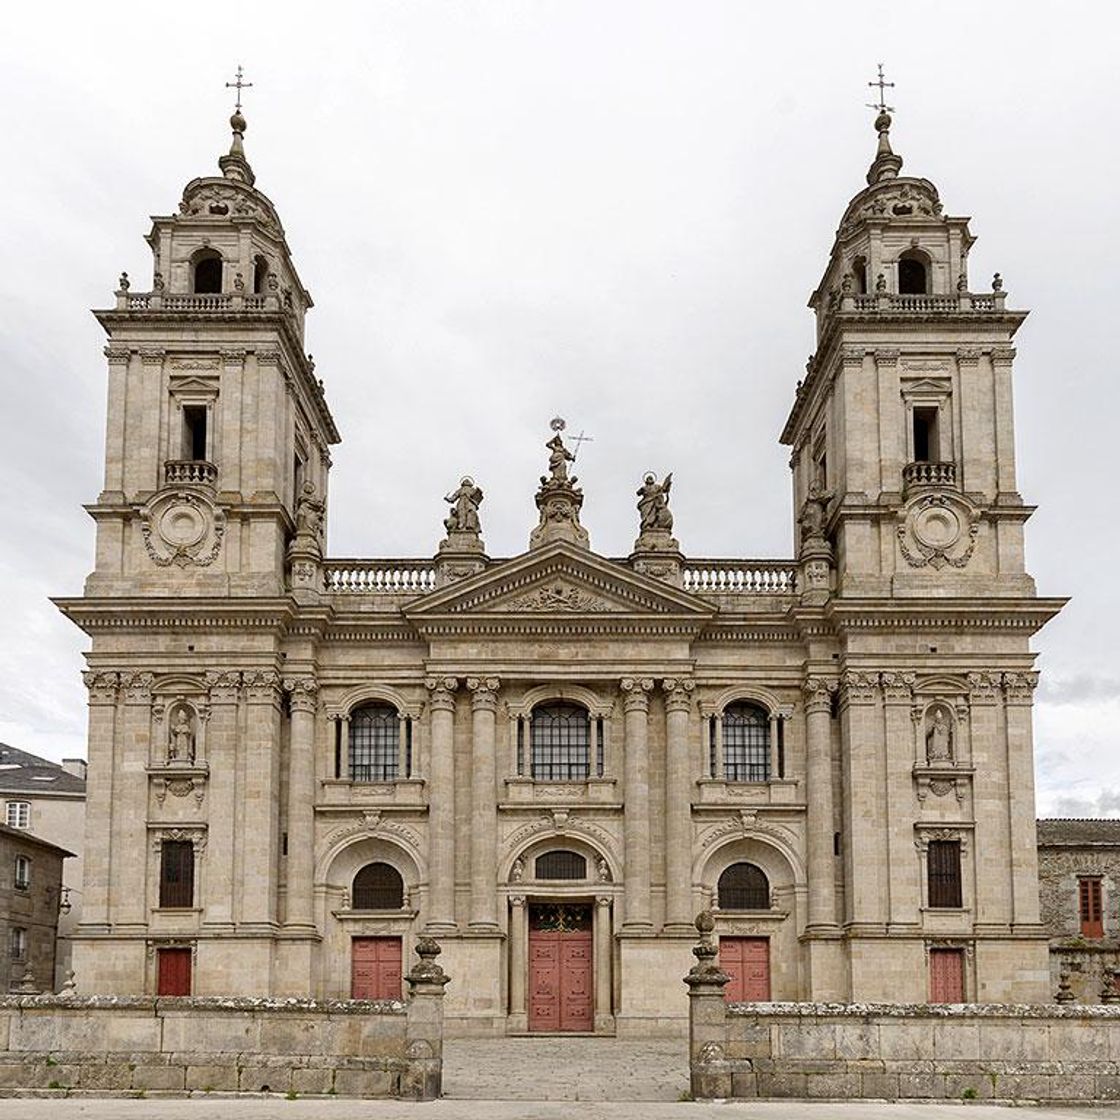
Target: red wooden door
<point x="173" y="972"/>
<point x="375" y="968"/>
<point x="561" y="984"/>
<point x="946" y="976"/>
<point x="747" y="961"/>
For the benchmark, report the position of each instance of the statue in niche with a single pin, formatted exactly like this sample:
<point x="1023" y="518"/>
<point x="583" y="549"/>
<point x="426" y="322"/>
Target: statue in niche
<point x="309" y="514"/>
<point x="517" y="871"/>
<point x="464" y="503"/>
<point x="813" y="512"/>
<point x="180" y="739"/>
<point x="939" y="736"/>
<point x="604" y="871"/>
<point x="558" y="459"/>
<point x="653" y="503"/>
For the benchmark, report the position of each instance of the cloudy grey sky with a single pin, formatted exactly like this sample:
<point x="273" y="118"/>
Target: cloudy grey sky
<point x="614" y="211"/>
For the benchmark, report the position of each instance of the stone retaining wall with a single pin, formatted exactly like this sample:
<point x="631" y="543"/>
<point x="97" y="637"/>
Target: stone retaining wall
<point x="999" y="1052"/>
<point x="153" y="1046"/>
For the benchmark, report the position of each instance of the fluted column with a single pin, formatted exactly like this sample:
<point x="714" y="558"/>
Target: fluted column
<point x="303" y="695"/>
<point x="130" y="794"/>
<point x="99" y="798"/>
<point x="678" y="804"/>
<point x="635" y="699"/>
<point x="441" y="804"/>
<point x="221" y="757"/>
<point x="819" y="795"/>
<point x="260" y="806"/>
<point x="518" y="958"/>
<point x="484" y="806"/>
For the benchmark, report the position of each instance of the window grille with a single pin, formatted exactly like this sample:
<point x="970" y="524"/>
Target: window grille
<point x="561" y="864"/>
<point x="378" y="886"/>
<point x="23" y="873"/>
<point x="375" y="744"/>
<point x="944" y="869"/>
<point x="176" y="873"/>
<point x="743" y="886"/>
<point x="17" y="944"/>
<point x="746" y="744"/>
<point x="560" y="743"/>
<point x="1089" y="906"/>
<point x="18" y="814"/>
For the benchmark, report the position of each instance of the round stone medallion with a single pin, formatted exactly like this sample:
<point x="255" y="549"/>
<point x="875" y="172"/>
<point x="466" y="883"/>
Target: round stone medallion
<point x="937" y="527"/>
<point x="182" y="525"/>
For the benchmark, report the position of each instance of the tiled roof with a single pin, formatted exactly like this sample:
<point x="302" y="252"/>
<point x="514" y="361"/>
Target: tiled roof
<point x="1071" y="831"/>
<point x="21" y="772"/>
<point x="25" y="837"/>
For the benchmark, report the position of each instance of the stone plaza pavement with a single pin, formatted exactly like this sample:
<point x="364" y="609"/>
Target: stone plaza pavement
<point x="540" y="1078"/>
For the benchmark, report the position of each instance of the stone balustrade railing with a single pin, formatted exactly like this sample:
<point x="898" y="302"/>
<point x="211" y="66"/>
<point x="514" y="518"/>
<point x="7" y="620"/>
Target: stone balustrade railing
<point x="192" y="472"/>
<point x="196" y="301"/>
<point x="741" y="577"/>
<point x="372" y="577"/>
<point x="922" y="304"/>
<point x="929" y="474"/>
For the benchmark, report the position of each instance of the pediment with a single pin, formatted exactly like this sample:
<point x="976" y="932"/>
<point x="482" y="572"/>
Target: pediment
<point x="559" y="580"/>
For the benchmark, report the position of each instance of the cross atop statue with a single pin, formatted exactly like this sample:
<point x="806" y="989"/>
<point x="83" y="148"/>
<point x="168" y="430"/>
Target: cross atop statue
<point x="239" y="85"/>
<point x="558" y="424"/>
<point x="881" y="106"/>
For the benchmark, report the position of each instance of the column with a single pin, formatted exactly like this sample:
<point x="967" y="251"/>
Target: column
<point x="130" y="851"/>
<point x="902" y="874"/>
<point x="1019" y="697"/>
<point x="990" y="792"/>
<point x="819" y="796"/>
<point x="635" y="700"/>
<point x="441" y="804"/>
<point x="221" y="756"/>
<point x="303" y="695"/>
<point x="678" y="804"/>
<point x="484" y="805"/>
<point x="518" y="960"/>
<point x="602" y="948"/>
<point x="259" y="806"/>
<point x="99" y="799"/>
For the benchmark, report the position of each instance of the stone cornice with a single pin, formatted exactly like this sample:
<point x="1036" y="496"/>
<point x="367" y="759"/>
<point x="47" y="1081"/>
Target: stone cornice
<point x="1028" y="615"/>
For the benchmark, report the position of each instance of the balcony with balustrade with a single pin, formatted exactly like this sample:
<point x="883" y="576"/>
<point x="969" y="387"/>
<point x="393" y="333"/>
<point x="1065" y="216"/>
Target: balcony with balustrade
<point x="933" y="474"/>
<point x="190" y="472"/>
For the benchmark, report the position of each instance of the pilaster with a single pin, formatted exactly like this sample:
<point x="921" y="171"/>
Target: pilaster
<point x="103" y="696"/>
<point x="260" y="806"/>
<point x="225" y="699"/>
<point x="303" y="696"/>
<point x="130" y="793"/>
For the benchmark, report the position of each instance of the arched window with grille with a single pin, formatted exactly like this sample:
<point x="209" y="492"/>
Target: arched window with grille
<point x="375" y="741"/>
<point x="746" y="743"/>
<point x="560" y="739"/>
<point x="377" y="886"/>
<point x="561" y="864"/>
<point x="743" y="886"/>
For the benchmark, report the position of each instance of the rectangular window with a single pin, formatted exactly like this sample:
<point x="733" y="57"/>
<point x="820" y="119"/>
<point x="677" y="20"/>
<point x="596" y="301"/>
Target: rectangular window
<point x="746" y="744"/>
<point x="23" y="873"/>
<point x="926" y="444"/>
<point x="17" y="944"/>
<point x="176" y="873"/>
<point x="944" y="866"/>
<point x="194" y="432"/>
<point x="1089" y="906"/>
<point x="18" y="814"/>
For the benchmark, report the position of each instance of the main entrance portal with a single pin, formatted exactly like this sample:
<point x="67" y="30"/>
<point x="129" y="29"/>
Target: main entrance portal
<point x="375" y="970"/>
<point x="561" y="982"/>
<point x="747" y="961"/>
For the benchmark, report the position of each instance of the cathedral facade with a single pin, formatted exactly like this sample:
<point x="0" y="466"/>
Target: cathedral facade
<point x="552" y="762"/>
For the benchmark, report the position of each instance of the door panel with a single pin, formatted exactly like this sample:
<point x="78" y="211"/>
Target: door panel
<point x="946" y="976"/>
<point x="375" y="968"/>
<point x="561" y="980"/>
<point x="747" y="961"/>
<point x="174" y="972"/>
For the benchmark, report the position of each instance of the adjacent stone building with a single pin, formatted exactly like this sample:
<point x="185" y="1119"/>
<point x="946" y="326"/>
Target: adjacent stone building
<point x="552" y="761"/>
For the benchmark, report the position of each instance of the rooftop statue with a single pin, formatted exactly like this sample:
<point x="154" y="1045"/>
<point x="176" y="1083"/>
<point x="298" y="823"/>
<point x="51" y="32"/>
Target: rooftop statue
<point x="653" y="503"/>
<point x="464" y="502"/>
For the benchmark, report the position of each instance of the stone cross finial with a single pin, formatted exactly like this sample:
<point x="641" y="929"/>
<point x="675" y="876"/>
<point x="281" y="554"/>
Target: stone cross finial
<point x="239" y="85"/>
<point x="881" y="105"/>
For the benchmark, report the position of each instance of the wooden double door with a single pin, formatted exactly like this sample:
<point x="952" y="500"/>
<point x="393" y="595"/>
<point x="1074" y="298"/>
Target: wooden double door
<point x="561" y="977"/>
<point x="375" y="968"/>
<point x="747" y="961"/>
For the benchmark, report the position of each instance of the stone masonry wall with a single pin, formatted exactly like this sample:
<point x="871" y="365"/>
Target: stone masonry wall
<point x="999" y="1052"/>
<point x="348" y="1048"/>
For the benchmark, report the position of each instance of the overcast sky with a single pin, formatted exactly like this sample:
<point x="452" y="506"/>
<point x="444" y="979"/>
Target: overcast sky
<point x="614" y="212"/>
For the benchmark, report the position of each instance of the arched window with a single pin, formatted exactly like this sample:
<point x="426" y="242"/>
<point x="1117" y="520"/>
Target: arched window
<point x="260" y="274"/>
<point x="561" y="864"/>
<point x="859" y="272"/>
<point x="378" y="886"/>
<point x="743" y="887"/>
<point x="206" y="272"/>
<point x="746" y="743"/>
<point x="375" y="740"/>
<point x="560" y="738"/>
<point x="913" y="273"/>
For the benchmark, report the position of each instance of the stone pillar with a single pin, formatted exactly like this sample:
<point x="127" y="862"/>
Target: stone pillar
<point x="902" y="877"/>
<point x="260" y="807"/>
<point x="603" y="1015"/>
<point x="678" y="804"/>
<point x="303" y="703"/>
<point x="707" y="1019"/>
<point x="484" y="806"/>
<point x="518" y="962"/>
<point x="441" y="803"/>
<point x="99" y="800"/>
<point x="635" y="693"/>
<point x="819" y="795"/>
<point x="422" y="1080"/>
<point x="1019" y="697"/>
<point x="130" y="850"/>
<point x="221" y="750"/>
<point x="990" y="806"/>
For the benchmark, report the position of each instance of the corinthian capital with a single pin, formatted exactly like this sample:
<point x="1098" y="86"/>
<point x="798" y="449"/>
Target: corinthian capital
<point x="263" y="685"/>
<point x="484" y="691"/>
<point x="678" y="693"/>
<point x="859" y="688"/>
<point x="898" y="687"/>
<point x="302" y="693"/>
<point x="441" y="692"/>
<point x="102" y="686"/>
<point x="818" y="694"/>
<point x="137" y="687"/>
<point x="1019" y="687"/>
<point x="635" y="693"/>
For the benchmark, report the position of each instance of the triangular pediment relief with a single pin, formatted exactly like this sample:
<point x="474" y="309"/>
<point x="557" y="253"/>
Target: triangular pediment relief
<point x="188" y="383"/>
<point x="932" y="385"/>
<point x="562" y="580"/>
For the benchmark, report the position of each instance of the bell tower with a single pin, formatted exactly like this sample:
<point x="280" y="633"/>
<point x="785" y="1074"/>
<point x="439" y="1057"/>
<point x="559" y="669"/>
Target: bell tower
<point x="217" y="425"/>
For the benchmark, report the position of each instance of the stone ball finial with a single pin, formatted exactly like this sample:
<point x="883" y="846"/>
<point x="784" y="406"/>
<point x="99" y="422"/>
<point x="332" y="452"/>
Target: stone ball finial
<point x="705" y="923"/>
<point x="883" y="122"/>
<point x="237" y="122"/>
